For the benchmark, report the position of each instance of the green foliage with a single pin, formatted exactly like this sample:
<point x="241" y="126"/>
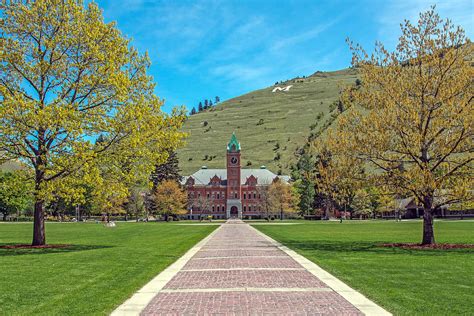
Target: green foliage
<point x="166" y="171"/>
<point x="303" y="174"/>
<point x="67" y="77"/>
<point x="16" y="190"/>
<point x="361" y="203"/>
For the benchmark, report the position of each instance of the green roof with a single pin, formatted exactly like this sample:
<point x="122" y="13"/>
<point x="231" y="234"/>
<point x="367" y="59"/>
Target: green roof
<point x="234" y="144"/>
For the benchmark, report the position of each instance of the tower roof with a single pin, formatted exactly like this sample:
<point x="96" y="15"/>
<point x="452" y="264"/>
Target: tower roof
<point x="233" y="144"/>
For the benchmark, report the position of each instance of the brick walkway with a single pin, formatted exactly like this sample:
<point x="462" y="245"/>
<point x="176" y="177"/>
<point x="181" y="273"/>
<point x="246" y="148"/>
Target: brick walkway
<point x="239" y="271"/>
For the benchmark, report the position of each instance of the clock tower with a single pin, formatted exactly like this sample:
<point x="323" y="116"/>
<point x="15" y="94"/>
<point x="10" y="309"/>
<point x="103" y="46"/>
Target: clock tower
<point x="234" y="203"/>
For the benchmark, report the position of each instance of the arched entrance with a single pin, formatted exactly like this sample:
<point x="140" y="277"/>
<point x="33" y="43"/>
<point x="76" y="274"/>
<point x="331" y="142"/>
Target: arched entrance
<point x="234" y="211"/>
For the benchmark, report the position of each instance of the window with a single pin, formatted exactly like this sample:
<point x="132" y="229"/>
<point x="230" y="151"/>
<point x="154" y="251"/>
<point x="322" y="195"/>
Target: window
<point x="254" y="195"/>
<point x="208" y="195"/>
<point x="235" y="195"/>
<point x="213" y="209"/>
<point x="245" y="208"/>
<point x="218" y="196"/>
<point x="245" y="195"/>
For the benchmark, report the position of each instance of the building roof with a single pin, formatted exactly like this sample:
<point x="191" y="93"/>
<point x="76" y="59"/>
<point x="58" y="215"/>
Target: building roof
<point x="233" y="144"/>
<point x="264" y="176"/>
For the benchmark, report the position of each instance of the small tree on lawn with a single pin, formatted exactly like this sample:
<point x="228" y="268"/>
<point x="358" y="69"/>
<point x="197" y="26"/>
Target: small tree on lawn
<point x="361" y="203"/>
<point x="281" y="198"/>
<point x="413" y="120"/>
<point x="303" y="174"/>
<point x="170" y="199"/>
<point x="202" y="203"/>
<point x="263" y="191"/>
<point x="16" y="190"/>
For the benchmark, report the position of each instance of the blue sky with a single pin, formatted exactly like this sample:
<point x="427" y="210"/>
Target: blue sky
<point x="200" y="49"/>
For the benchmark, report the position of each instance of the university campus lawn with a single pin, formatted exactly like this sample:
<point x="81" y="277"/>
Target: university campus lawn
<point x="101" y="269"/>
<point x="436" y="282"/>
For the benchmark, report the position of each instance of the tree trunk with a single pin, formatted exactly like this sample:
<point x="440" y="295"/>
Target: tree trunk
<point x="428" y="232"/>
<point x="5" y="217"/>
<point x="39" y="237"/>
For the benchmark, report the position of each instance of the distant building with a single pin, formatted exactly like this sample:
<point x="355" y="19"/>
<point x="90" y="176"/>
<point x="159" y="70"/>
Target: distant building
<point x="230" y="192"/>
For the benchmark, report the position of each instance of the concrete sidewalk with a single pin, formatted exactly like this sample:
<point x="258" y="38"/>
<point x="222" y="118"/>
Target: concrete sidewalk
<point x="239" y="271"/>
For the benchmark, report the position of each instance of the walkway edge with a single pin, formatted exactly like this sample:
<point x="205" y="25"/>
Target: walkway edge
<point x="135" y="304"/>
<point x="361" y="302"/>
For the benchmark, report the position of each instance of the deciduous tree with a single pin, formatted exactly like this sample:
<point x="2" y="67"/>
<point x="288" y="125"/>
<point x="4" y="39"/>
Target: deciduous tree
<point x="170" y="199"/>
<point x="411" y="119"/>
<point x="67" y="77"/>
<point x="281" y="198"/>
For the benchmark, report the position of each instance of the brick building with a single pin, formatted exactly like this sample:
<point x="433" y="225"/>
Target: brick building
<point x="230" y="192"/>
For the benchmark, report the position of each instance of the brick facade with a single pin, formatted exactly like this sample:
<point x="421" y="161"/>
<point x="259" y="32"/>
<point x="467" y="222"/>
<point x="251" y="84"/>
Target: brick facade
<point x="230" y="192"/>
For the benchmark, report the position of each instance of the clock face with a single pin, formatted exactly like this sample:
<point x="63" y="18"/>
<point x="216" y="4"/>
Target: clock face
<point x="233" y="160"/>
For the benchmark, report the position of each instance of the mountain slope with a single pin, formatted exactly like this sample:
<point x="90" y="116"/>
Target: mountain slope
<point x="270" y="126"/>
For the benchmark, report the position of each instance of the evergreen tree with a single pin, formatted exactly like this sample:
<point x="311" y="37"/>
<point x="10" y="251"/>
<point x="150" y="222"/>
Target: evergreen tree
<point x="101" y="139"/>
<point x="193" y="111"/>
<point x="304" y="185"/>
<point x="217" y="99"/>
<point x="200" y="108"/>
<point x="206" y="104"/>
<point x="210" y="103"/>
<point x="167" y="171"/>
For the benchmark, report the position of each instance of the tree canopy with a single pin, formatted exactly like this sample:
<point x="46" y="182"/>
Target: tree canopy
<point x="67" y="77"/>
<point x="410" y="121"/>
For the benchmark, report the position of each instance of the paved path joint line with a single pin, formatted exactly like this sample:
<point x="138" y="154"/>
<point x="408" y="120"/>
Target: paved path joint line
<point x="238" y="270"/>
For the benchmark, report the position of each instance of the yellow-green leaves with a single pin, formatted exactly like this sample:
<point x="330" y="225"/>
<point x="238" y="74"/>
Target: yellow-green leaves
<point x="411" y="120"/>
<point x="67" y="77"/>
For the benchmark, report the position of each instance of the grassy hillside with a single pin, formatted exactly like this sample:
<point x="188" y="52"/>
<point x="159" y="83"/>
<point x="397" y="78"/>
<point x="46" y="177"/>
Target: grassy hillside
<point x="268" y="124"/>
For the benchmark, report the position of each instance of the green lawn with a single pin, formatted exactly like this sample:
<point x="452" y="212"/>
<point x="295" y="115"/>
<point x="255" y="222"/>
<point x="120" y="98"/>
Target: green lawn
<point x="435" y="282"/>
<point x="101" y="269"/>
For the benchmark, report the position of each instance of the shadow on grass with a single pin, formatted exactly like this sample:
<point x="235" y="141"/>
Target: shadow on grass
<point x="41" y="251"/>
<point x="369" y="247"/>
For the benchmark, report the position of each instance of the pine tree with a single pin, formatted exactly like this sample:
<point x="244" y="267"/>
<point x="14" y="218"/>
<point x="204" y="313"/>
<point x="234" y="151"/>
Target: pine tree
<point x="206" y="104"/>
<point x="200" y="108"/>
<point x="210" y="103"/>
<point x="217" y="99"/>
<point x="167" y="171"/>
<point x="305" y="187"/>
<point x="193" y="111"/>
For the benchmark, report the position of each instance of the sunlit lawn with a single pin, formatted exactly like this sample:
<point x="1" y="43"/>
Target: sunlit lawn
<point x="428" y="282"/>
<point x="101" y="269"/>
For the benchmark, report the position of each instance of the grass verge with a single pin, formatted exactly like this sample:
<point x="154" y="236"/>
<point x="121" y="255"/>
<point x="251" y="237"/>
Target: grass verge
<point x="404" y="281"/>
<point x="100" y="269"/>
